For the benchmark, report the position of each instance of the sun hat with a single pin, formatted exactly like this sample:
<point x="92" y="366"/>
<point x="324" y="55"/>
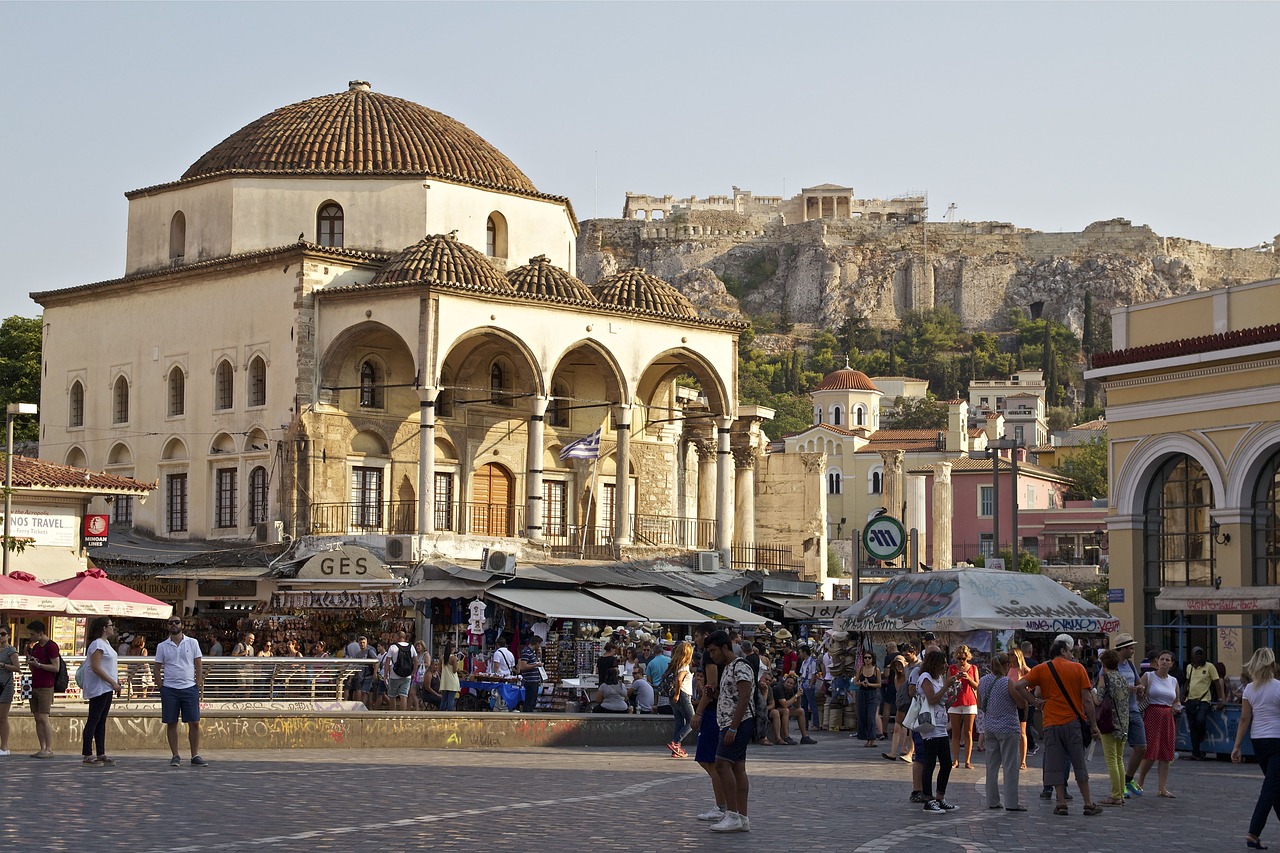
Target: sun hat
<point x="782" y="634"/>
<point x="1123" y="640"/>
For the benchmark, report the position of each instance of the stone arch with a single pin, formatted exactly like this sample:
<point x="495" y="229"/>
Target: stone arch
<point x="367" y="442"/>
<point x="75" y="457"/>
<point x="589" y="363"/>
<point x="340" y="367"/>
<point x="1141" y="465"/>
<point x="175" y="450"/>
<point x="445" y="450"/>
<point x="177" y="236"/>
<point x="1247" y="461"/>
<point x="120" y="454"/>
<point x="256" y="441"/>
<point x="669" y="364"/>
<point x="495" y="236"/>
<point x="222" y="443"/>
<point x="469" y="358"/>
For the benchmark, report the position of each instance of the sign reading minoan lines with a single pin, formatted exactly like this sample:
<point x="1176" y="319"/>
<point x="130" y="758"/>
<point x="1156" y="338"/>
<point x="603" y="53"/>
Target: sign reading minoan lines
<point x="49" y="527"/>
<point x="96" y="528"/>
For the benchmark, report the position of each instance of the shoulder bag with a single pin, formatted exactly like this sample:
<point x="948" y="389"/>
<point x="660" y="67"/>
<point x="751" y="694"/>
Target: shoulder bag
<point x="1085" y="731"/>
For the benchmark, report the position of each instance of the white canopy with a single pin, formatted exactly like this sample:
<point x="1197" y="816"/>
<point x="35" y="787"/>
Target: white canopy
<point x="976" y="600"/>
<point x="1228" y="599"/>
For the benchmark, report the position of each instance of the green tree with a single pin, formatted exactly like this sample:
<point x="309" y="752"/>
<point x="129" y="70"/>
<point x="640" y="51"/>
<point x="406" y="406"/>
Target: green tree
<point x="20" y="370"/>
<point x="1087" y="470"/>
<point x="925" y="413"/>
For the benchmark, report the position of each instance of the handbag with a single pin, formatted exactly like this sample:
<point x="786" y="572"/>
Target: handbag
<point x="1085" y="731"/>
<point x="1106" y="713"/>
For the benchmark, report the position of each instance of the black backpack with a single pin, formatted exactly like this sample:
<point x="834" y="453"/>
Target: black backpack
<point x="403" y="665"/>
<point x="61" y="681"/>
<point x="667" y="684"/>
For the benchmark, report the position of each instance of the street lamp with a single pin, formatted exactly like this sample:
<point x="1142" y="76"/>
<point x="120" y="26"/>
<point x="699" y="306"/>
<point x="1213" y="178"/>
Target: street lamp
<point x="992" y="452"/>
<point x="994" y="455"/>
<point x="11" y="411"/>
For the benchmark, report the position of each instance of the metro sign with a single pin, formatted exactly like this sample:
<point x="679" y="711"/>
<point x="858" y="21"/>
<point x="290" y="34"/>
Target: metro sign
<point x="884" y="538"/>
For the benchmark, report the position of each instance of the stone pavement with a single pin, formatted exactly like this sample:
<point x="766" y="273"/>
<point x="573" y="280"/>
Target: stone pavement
<point x="835" y="796"/>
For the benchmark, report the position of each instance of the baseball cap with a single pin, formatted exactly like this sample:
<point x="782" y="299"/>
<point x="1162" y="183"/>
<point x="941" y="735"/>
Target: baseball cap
<point x="929" y="637"/>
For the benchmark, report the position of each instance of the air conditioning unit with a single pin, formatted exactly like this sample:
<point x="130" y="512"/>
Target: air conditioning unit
<point x="708" y="561"/>
<point x="270" y="532"/>
<point x="498" y="562"/>
<point x="403" y="549"/>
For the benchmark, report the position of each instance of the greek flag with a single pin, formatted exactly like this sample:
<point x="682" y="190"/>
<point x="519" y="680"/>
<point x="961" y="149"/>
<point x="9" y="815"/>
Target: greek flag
<point x="587" y="447"/>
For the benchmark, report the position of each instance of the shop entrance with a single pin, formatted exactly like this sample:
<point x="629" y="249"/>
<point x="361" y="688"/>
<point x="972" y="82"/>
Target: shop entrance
<point x="492" y="511"/>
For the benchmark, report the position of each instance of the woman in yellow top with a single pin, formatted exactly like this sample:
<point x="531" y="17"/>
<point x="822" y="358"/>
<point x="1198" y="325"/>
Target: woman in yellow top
<point x="450" y="683"/>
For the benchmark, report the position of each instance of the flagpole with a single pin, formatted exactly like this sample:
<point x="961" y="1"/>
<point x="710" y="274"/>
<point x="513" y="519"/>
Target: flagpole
<point x="591" y="499"/>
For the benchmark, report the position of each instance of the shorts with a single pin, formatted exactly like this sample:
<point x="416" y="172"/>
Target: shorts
<point x="963" y="709"/>
<point x="736" y="751"/>
<point x="1137" y="729"/>
<point x="917" y="757"/>
<point x="708" y="738"/>
<point x="366" y="684"/>
<point x="6" y="693"/>
<point x="179" y="699"/>
<point x="1063" y="747"/>
<point x="397" y="687"/>
<point x="41" y="700"/>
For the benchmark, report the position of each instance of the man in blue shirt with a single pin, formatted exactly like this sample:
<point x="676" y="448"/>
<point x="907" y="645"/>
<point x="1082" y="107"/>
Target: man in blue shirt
<point x="530" y="672"/>
<point x="654" y="671"/>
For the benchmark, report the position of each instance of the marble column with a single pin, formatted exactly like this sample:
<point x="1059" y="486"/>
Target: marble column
<point x="706" y="451"/>
<point x="892" y="484"/>
<point x="427" y="459"/>
<point x="534" y="511"/>
<point x="724" y="490"/>
<point x="942" y="511"/>
<point x="744" y="494"/>
<point x="622" y="481"/>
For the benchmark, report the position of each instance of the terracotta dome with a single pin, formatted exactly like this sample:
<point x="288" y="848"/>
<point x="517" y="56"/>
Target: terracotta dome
<point x="635" y="288"/>
<point x="362" y="132"/>
<point x="542" y="278"/>
<point x="846" y="379"/>
<point x="442" y="259"/>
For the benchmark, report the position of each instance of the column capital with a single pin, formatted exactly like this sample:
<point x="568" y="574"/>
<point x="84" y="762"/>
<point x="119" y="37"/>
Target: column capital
<point x="622" y="414"/>
<point x="540" y="403"/>
<point x="428" y="393"/>
<point x="744" y="457"/>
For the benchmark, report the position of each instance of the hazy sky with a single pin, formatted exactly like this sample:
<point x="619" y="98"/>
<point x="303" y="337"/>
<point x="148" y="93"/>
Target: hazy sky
<point x="1049" y="116"/>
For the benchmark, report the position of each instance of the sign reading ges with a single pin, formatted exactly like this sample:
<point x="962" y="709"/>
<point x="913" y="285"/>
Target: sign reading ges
<point x="346" y="563"/>
<point x="884" y="538"/>
<point x="96" y="528"/>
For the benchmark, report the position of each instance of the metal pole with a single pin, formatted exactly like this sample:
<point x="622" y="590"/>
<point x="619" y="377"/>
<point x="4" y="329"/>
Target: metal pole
<point x="8" y="484"/>
<point x="856" y="553"/>
<point x="995" y="502"/>
<point x="1013" y="456"/>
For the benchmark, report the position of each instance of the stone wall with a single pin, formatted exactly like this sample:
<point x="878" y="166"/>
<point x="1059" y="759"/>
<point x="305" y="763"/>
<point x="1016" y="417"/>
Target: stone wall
<point x="791" y="507"/>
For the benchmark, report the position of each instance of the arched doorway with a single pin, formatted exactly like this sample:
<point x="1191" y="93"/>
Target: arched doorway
<point x="492" y="501"/>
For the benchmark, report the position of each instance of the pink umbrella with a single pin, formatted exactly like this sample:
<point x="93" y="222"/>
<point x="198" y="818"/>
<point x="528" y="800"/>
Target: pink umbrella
<point x="21" y="591"/>
<point x="92" y="593"/>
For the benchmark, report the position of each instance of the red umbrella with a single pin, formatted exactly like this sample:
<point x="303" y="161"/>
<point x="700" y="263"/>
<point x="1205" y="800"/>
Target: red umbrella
<point x="92" y="593"/>
<point x="21" y="591"/>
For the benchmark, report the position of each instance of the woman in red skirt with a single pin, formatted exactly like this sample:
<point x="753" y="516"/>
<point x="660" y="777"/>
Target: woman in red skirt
<point x="1164" y="702"/>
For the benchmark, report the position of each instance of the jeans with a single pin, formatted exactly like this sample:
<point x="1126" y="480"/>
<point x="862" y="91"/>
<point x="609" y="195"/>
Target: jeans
<point x="935" y="750"/>
<point x="1113" y="753"/>
<point x="683" y="709"/>
<point x="809" y="702"/>
<point x="1004" y="755"/>
<point x="448" y="700"/>
<point x="1198" y="723"/>
<point x="95" y="728"/>
<point x="1267" y="751"/>
<point x="868" y="700"/>
<point x="530" y="703"/>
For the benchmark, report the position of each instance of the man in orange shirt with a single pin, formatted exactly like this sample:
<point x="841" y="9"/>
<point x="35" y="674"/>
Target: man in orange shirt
<point x="1063" y="708"/>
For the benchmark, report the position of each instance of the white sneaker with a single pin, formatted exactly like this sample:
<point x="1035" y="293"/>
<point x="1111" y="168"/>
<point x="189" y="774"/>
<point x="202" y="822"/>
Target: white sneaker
<point x="746" y="823"/>
<point x="731" y="823"/>
<point x="3" y="752"/>
<point x="712" y="814"/>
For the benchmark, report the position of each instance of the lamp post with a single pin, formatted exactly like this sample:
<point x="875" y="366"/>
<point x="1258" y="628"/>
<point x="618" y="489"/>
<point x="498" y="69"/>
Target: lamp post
<point x="992" y="452"/>
<point x="11" y="411"/>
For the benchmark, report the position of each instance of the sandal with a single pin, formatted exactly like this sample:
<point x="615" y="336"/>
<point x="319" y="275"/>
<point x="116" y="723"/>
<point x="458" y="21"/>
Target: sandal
<point x="968" y="766"/>
<point x="1167" y="795"/>
<point x="1253" y="843"/>
<point x="1060" y="809"/>
<point x="1092" y="809"/>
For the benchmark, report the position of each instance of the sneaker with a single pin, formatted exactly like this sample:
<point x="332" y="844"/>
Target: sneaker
<point x="917" y="797"/>
<point x="175" y="762"/>
<point x="712" y="814"/>
<point x="933" y="807"/>
<point x="1046" y="794"/>
<point x="197" y="761"/>
<point x="674" y="747"/>
<point x="731" y="822"/>
<point x="790" y="741"/>
<point x="944" y="805"/>
<point x="746" y="823"/>
<point x="1131" y="788"/>
<point x="807" y="739"/>
<point x="3" y="753"/>
<point x="679" y="753"/>
<point x="1035" y="750"/>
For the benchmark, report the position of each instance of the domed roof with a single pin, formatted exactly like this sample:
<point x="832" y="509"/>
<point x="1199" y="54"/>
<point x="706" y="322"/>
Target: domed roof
<point x="442" y="259"/>
<point x="635" y="288"/>
<point x="846" y="379"/>
<point x="362" y="132"/>
<point x="540" y="277"/>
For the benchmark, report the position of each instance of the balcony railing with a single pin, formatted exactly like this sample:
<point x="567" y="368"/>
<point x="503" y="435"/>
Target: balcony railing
<point x="761" y="556"/>
<point x="401" y="517"/>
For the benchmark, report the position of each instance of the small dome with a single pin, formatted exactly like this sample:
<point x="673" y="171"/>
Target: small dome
<point x="635" y="288"/>
<point x="846" y="379"/>
<point x="362" y="132"/>
<point x="442" y="259"/>
<point x="540" y="277"/>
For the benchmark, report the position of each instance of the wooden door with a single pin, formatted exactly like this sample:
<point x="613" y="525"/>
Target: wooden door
<point x="491" y="501"/>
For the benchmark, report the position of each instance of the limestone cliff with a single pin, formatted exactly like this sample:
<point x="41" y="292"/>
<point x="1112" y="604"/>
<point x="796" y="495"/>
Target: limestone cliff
<point x="821" y="271"/>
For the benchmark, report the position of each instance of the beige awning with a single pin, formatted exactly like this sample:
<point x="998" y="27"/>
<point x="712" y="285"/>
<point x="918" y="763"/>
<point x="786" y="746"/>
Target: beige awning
<point x="1228" y="599"/>
<point x="560" y="604"/>
<point x="722" y="611"/>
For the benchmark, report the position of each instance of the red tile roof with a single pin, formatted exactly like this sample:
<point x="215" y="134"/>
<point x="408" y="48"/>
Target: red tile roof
<point x="31" y="473"/>
<point x="1188" y="346"/>
<point x="846" y="379"/>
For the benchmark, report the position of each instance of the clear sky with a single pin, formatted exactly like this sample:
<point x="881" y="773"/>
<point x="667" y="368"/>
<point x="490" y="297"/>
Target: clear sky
<point x="1049" y="116"/>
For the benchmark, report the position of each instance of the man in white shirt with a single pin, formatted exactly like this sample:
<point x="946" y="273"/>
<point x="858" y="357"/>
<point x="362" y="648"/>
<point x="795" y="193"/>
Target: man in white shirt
<point x="504" y="660"/>
<point x="181" y="680"/>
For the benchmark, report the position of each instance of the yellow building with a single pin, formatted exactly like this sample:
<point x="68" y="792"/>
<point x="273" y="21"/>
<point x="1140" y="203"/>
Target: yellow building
<point x="1193" y="415"/>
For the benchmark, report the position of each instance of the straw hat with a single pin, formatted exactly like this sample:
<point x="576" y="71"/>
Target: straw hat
<point x="1123" y="641"/>
<point x="782" y="634"/>
<point x="607" y="632"/>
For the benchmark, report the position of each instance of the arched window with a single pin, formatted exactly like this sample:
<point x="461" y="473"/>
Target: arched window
<point x="224" y="386"/>
<point x="1177" y="545"/>
<point x="258" y="494"/>
<point x="75" y="405"/>
<point x="861" y="415"/>
<point x="834" y="482"/>
<point x="495" y="236"/>
<point x="120" y="401"/>
<point x="177" y="236"/>
<point x="257" y="381"/>
<point x="837" y="415"/>
<point x="500" y="384"/>
<point x="370" y="385"/>
<point x="329" y="222"/>
<point x="817" y="414"/>
<point x="177" y="392"/>
<point x="877" y="482"/>
<point x="1266" y="525"/>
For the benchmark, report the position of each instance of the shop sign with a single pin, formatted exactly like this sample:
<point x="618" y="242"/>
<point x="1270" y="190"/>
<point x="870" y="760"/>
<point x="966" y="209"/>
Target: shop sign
<point x="169" y="592"/>
<point x="345" y="563"/>
<point x="96" y="528"/>
<point x="1115" y="596"/>
<point x="51" y="527"/>
<point x="225" y="589"/>
<point x="884" y="538"/>
<point x="336" y="600"/>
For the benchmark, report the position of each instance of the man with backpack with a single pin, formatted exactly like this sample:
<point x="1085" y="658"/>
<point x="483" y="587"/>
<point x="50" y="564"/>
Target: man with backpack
<point x="1204" y="685"/>
<point x="736" y="719"/>
<point x="45" y="661"/>
<point x="398" y="668"/>
<point x="655" y="670"/>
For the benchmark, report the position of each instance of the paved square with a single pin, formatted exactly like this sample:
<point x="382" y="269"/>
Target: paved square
<point x="836" y="796"/>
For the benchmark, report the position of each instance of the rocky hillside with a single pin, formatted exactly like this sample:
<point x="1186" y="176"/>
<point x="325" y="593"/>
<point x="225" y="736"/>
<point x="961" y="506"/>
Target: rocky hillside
<point x="820" y="272"/>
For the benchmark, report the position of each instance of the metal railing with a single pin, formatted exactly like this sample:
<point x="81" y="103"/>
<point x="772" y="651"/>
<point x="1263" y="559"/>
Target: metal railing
<point x="354" y="517"/>
<point x="679" y="531"/>
<point x="764" y="556"/>
<point x="237" y="680"/>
